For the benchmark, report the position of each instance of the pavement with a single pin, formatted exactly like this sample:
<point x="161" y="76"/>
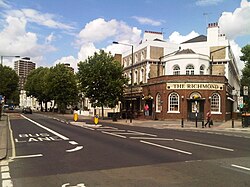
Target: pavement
<point x="228" y="126"/>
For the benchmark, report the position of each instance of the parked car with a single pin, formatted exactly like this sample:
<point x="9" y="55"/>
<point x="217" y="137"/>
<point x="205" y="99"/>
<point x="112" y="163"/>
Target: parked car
<point x="27" y="110"/>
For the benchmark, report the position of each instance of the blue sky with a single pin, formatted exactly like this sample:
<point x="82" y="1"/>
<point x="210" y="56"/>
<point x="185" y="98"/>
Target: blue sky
<point x="52" y="31"/>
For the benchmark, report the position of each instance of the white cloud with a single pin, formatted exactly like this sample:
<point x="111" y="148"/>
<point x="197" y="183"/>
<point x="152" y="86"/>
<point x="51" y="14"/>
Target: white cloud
<point x="236" y="23"/>
<point x="237" y="53"/>
<point x="68" y="60"/>
<point x="147" y="21"/>
<point x="15" y="40"/>
<point x="3" y="4"/>
<point x="49" y="38"/>
<point x="39" y="18"/>
<point x="207" y="2"/>
<point x="86" y="50"/>
<point x="99" y="30"/>
<point x="177" y="38"/>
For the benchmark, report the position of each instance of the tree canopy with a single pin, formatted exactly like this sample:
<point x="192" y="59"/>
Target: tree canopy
<point x="37" y="85"/>
<point x="8" y="83"/>
<point x="245" y="80"/>
<point x="62" y="85"/>
<point x="101" y="79"/>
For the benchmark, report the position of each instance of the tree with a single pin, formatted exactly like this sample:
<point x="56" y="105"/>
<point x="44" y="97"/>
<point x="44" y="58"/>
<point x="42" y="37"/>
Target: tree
<point x="8" y="83"/>
<point x="101" y="80"/>
<point x="37" y="85"/>
<point x="62" y="85"/>
<point x="245" y="80"/>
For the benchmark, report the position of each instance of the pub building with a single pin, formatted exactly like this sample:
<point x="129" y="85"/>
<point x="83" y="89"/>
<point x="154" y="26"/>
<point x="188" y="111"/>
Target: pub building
<point x="182" y="81"/>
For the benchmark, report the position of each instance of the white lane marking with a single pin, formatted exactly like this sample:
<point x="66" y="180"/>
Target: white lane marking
<point x="113" y="130"/>
<point x="89" y="128"/>
<point x="7" y="183"/>
<point x="142" y="133"/>
<point x="28" y="156"/>
<point x="46" y="128"/>
<point x="105" y="127"/>
<point x="5" y="175"/>
<point x="114" y="134"/>
<point x="205" y="145"/>
<point x="240" y="167"/>
<point x="12" y="139"/>
<point x="77" y="148"/>
<point x="149" y="138"/>
<point x="5" y="168"/>
<point x="4" y="163"/>
<point x="73" y="143"/>
<point x="164" y="147"/>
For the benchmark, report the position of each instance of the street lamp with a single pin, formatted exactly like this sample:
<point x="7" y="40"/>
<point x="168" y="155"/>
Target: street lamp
<point x="2" y="56"/>
<point x="131" y="90"/>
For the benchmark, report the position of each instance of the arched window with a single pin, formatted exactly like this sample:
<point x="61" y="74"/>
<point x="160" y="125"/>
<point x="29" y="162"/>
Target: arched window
<point x="142" y="55"/>
<point x="173" y="102"/>
<point x="190" y="70"/>
<point x="136" y="57"/>
<point x="176" y="70"/>
<point x="136" y="77"/>
<point x="130" y="60"/>
<point x="158" y="103"/>
<point x="202" y="68"/>
<point x="215" y="103"/>
<point x="142" y="76"/>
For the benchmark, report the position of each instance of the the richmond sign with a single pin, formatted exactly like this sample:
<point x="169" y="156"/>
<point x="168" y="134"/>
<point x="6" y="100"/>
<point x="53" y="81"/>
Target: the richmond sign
<point x="198" y="86"/>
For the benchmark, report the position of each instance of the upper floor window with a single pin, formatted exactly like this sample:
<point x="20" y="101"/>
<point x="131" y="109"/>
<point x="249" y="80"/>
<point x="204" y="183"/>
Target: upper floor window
<point x="190" y="70"/>
<point x="136" y="80"/>
<point x="173" y="102"/>
<point x="176" y="70"/>
<point x="142" y="76"/>
<point x="215" y="103"/>
<point x="158" y="103"/>
<point x="136" y="57"/>
<point x="142" y="55"/>
<point x="130" y="60"/>
<point x="202" y="68"/>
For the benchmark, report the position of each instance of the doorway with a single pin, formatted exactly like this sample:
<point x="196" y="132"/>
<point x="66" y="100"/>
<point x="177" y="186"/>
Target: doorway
<point x="195" y="109"/>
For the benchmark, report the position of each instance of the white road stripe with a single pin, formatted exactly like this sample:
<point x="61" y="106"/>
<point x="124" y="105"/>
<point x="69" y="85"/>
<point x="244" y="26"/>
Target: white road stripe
<point x="5" y="175"/>
<point x="113" y="134"/>
<point x="46" y="128"/>
<point x="241" y="167"/>
<point x="7" y="183"/>
<point x="5" y="168"/>
<point x="89" y="128"/>
<point x="75" y="149"/>
<point x="73" y="143"/>
<point x="205" y="145"/>
<point x="164" y="147"/>
<point x="12" y="139"/>
<point x="28" y="156"/>
<point x="149" y="138"/>
<point x="113" y="130"/>
<point x="142" y="133"/>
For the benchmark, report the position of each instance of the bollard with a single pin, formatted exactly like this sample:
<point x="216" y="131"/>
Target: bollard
<point x="232" y="122"/>
<point x="182" y="122"/>
<point x="196" y="122"/>
<point x="75" y="117"/>
<point x="202" y="123"/>
<point x="96" y="119"/>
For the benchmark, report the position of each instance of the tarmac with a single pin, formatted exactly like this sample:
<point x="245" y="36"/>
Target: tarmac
<point x="234" y="126"/>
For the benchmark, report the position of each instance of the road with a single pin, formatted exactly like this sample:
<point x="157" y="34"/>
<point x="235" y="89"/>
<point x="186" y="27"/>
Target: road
<point x="47" y="152"/>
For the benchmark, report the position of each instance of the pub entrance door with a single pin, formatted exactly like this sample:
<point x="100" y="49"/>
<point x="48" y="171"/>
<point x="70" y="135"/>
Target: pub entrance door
<point x="196" y="109"/>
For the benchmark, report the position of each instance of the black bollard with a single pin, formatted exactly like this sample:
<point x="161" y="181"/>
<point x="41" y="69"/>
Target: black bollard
<point x="232" y="122"/>
<point x="182" y="122"/>
<point x="202" y="123"/>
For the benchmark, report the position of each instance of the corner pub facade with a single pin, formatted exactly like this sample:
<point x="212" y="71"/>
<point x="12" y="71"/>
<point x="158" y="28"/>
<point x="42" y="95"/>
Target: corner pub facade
<point x="184" y="81"/>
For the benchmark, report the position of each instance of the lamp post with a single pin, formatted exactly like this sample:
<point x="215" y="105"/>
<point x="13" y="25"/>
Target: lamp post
<point x="2" y="56"/>
<point x="131" y="89"/>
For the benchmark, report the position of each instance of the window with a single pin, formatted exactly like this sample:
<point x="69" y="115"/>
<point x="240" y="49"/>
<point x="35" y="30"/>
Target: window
<point x="158" y="103"/>
<point x="215" y="103"/>
<point x="136" y="77"/>
<point x="130" y="60"/>
<point x="142" y="76"/>
<point x="136" y="57"/>
<point x="202" y="70"/>
<point x="190" y="70"/>
<point x="176" y="70"/>
<point x="173" y="102"/>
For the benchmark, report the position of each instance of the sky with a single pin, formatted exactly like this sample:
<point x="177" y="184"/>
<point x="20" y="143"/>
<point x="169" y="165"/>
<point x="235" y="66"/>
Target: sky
<point x="68" y="31"/>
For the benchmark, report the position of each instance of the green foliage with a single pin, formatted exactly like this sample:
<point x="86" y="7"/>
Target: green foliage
<point x="245" y="80"/>
<point x="8" y="83"/>
<point x="62" y="86"/>
<point x="101" y="79"/>
<point x="37" y="84"/>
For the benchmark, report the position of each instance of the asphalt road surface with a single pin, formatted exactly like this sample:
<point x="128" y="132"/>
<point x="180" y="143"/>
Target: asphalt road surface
<point x="47" y="152"/>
